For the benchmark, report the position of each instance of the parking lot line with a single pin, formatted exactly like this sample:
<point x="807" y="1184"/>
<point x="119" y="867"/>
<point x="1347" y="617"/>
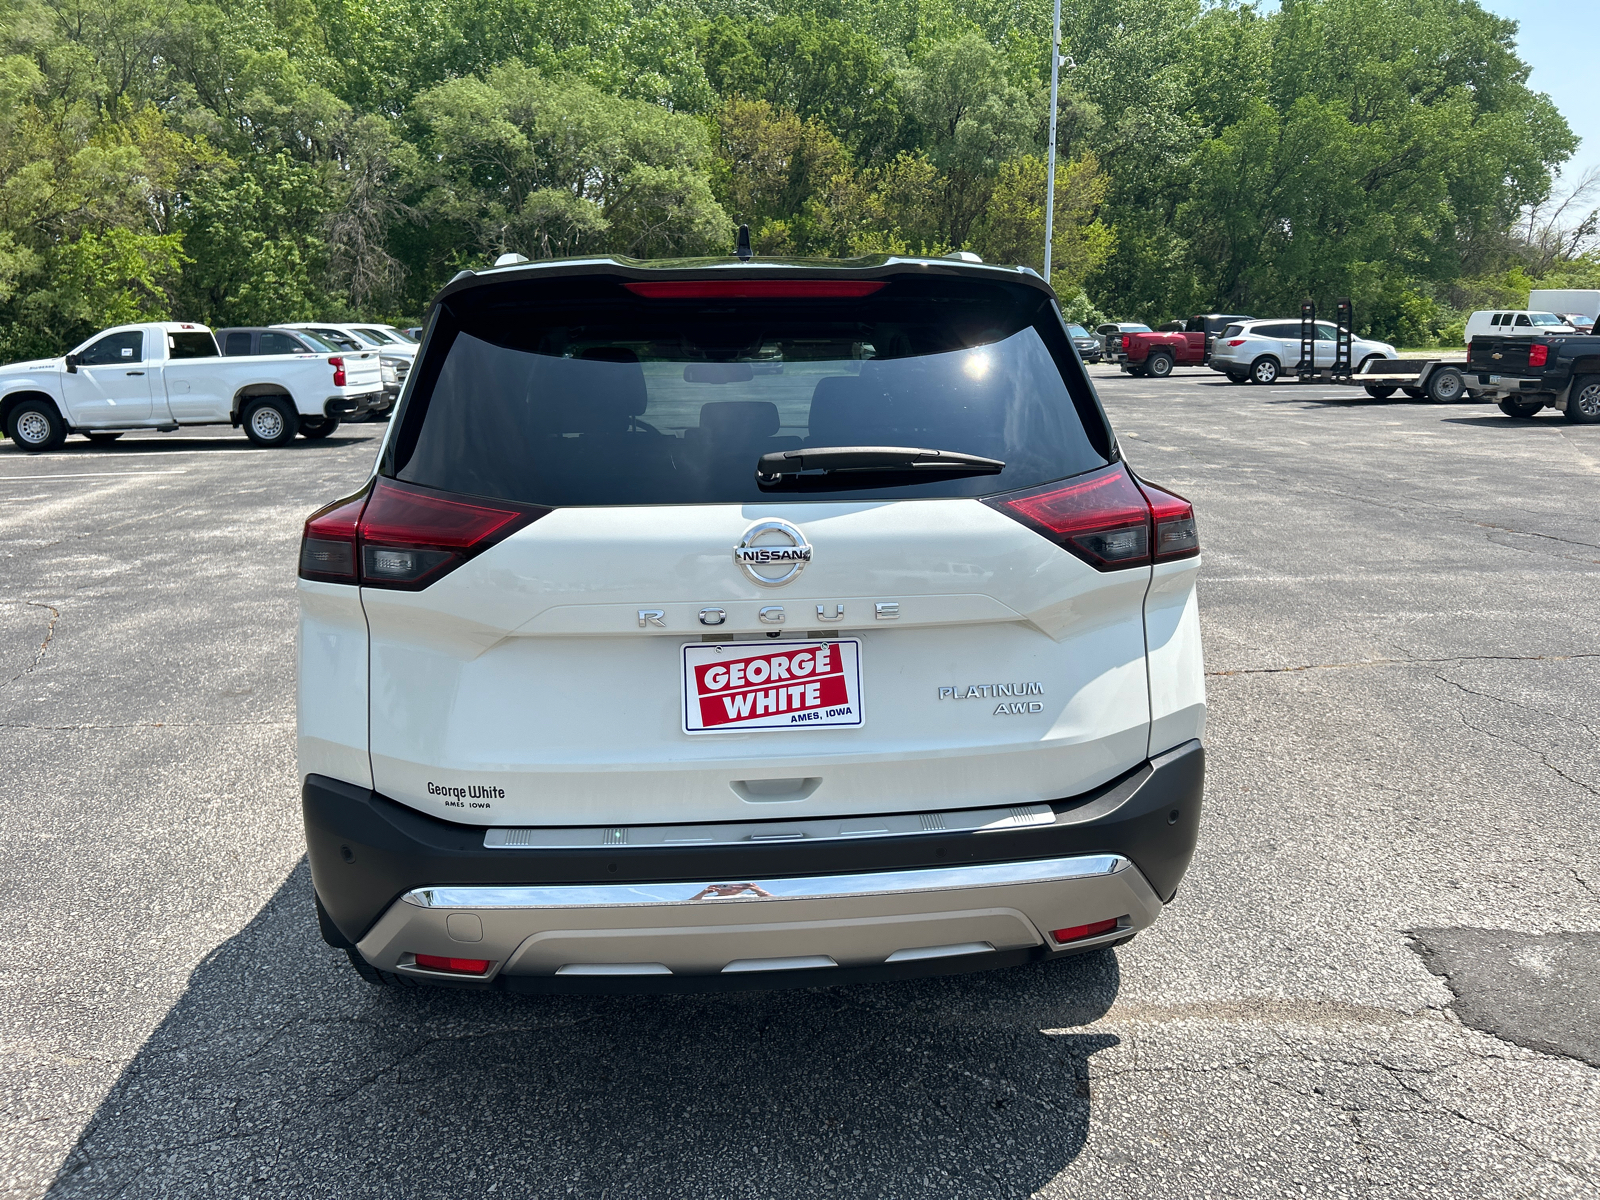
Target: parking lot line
<point x="92" y="475"/>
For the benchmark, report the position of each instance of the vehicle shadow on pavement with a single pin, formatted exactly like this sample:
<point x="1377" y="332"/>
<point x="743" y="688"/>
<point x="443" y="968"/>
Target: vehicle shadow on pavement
<point x="76" y="450"/>
<point x="278" y="1072"/>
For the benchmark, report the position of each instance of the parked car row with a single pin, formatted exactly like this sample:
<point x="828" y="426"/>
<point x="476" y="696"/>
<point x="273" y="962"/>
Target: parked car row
<point x="273" y="381"/>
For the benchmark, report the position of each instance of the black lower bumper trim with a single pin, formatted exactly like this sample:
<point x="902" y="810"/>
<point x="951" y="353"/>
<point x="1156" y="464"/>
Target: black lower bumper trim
<point x="366" y="850"/>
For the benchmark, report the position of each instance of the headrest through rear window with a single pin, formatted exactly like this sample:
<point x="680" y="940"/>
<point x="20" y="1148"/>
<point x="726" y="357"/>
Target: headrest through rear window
<point x="739" y="419"/>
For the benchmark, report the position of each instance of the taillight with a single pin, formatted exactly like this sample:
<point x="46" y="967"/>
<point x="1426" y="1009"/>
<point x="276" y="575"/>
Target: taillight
<point x="337" y="363"/>
<point x="1176" y="535"/>
<point x="1107" y="518"/>
<point x="1100" y="517"/>
<point x="404" y="537"/>
<point x="1538" y="356"/>
<point x="460" y="966"/>
<point x="1126" y="341"/>
<point x="1235" y="341"/>
<point x="328" y="544"/>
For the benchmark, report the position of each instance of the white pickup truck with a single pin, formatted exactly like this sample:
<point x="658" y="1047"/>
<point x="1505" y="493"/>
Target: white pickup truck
<point x="166" y="374"/>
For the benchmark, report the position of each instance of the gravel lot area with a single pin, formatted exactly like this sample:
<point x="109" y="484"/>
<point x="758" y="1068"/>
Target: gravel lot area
<point x="1379" y="979"/>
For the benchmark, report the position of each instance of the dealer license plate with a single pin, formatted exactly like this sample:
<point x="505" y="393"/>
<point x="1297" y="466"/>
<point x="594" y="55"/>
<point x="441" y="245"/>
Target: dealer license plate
<point x="1488" y="379"/>
<point x="731" y="687"/>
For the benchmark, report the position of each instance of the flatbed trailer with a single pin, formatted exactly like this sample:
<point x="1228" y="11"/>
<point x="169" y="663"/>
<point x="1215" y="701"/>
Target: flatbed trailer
<point x="1421" y="378"/>
<point x="1437" y="379"/>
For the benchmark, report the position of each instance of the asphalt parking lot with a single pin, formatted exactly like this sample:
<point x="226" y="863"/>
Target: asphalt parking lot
<point x="1381" y="978"/>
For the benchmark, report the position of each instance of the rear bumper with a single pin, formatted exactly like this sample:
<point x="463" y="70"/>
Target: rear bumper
<point x="396" y="883"/>
<point x="1510" y="385"/>
<point x="344" y="407"/>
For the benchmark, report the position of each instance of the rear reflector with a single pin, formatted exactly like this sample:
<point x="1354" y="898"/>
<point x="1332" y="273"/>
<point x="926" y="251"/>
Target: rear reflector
<point x="395" y="535"/>
<point x="1107" y="518"/>
<point x="1075" y="933"/>
<point x="1538" y="355"/>
<point x="756" y="289"/>
<point x="460" y="966"/>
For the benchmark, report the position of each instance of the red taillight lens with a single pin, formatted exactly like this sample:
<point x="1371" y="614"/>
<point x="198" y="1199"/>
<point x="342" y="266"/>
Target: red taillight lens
<point x="460" y="966"/>
<point x="410" y="537"/>
<point x="1235" y="341"/>
<point x="1106" y="518"/>
<point x="1075" y="933"/>
<point x="1101" y="517"/>
<point x="337" y="364"/>
<point x="756" y="289"/>
<point x="1176" y="535"/>
<point x="328" y="544"/>
<point x="1538" y="355"/>
<point x="1126" y="341"/>
<point x="404" y="537"/>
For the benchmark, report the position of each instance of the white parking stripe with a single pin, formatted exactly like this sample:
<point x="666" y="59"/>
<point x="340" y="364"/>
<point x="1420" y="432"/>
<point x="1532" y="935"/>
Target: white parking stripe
<point x="92" y="475"/>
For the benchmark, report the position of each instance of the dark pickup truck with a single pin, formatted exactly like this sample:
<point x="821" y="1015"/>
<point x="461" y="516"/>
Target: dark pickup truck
<point x="1525" y="374"/>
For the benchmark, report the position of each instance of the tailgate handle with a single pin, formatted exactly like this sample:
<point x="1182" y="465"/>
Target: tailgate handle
<point x="770" y="791"/>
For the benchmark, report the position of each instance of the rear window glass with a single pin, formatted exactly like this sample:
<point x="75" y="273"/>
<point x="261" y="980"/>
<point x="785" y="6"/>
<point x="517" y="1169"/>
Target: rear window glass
<point x="576" y="392"/>
<point x="191" y="345"/>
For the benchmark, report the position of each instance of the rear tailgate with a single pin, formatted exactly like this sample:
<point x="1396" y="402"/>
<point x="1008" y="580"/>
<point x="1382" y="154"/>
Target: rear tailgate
<point x="1010" y="672"/>
<point x="1499" y="355"/>
<point x="362" y="368"/>
<point x="559" y="676"/>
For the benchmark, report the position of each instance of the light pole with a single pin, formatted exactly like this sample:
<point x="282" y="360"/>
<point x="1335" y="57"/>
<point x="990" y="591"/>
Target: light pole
<point x="1050" y="176"/>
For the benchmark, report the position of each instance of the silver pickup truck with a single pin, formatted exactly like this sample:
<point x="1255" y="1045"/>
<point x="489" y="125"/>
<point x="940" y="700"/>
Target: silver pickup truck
<point x="162" y="375"/>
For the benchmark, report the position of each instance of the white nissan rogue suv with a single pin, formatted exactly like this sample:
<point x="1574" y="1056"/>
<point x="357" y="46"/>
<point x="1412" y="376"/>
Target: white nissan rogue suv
<point x="722" y="624"/>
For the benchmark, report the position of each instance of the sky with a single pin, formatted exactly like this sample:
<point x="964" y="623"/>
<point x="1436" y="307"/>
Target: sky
<point x="1561" y="42"/>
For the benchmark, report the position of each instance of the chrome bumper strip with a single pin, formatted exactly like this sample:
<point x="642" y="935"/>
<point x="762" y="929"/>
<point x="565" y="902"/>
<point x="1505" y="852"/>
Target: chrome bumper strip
<point x="616" y="895"/>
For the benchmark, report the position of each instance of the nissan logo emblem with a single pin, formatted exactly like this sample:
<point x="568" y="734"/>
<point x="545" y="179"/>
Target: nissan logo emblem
<point x="772" y="546"/>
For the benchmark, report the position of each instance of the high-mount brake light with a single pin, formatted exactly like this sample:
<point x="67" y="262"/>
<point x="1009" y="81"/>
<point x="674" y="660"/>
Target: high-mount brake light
<point x="337" y="363"/>
<point x="1538" y="355"/>
<point x="756" y="289"/>
<point x="457" y="966"/>
<point x="1107" y="518"/>
<point x="394" y="535"/>
<point x="1176" y="534"/>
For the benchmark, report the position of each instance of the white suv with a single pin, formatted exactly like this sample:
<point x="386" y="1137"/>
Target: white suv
<point x="1265" y="351"/>
<point x="730" y="625"/>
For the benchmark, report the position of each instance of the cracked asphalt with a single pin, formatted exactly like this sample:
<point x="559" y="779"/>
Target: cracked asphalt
<point x="1399" y="605"/>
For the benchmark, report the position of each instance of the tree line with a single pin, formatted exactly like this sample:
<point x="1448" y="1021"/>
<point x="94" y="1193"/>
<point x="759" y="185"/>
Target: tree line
<point x="254" y="161"/>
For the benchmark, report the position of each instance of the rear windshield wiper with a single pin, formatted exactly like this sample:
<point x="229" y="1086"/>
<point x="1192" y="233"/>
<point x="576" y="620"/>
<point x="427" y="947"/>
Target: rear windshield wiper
<point x="781" y="464"/>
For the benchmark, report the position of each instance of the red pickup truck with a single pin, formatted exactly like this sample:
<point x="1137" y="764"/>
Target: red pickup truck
<point x="1179" y="344"/>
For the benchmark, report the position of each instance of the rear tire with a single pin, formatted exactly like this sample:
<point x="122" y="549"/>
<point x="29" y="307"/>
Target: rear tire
<point x="270" y="422"/>
<point x="36" y="426"/>
<point x="1265" y="370"/>
<point x="312" y="428"/>
<point x="1415" y="393"/>
<point x="1379" y="393"/>
<point x="1158" y="366"/>
<point x="1238" y="377"/>
<point x="102" y="439"/>
<point x="1446" y="386"/>
<point x="1583" y="401"/>
<point x="1521" y="412"/>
